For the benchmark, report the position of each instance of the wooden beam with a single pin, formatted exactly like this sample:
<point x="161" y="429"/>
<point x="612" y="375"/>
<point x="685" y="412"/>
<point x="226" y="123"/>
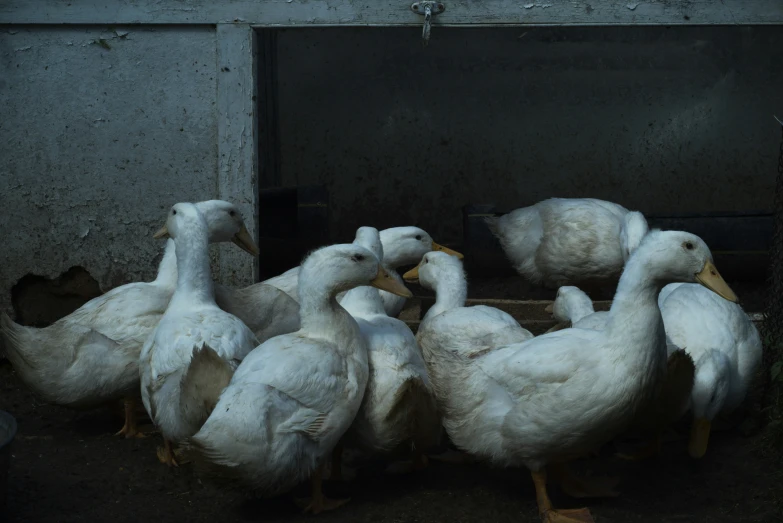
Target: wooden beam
<point x="308" y="13"/>
<point x="236" y="88"/>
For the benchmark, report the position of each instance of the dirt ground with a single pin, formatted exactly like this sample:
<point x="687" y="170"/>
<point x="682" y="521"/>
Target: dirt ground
<point x="67" y="467"/>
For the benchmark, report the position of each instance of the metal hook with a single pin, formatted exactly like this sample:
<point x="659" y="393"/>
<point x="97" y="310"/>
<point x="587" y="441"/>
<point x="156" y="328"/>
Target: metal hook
<point x="425" y="33"/>
<point x="427" y="9"/>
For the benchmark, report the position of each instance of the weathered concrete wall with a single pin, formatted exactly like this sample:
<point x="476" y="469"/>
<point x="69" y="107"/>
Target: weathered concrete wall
<point x="658" y="119"/>
<point x="101" y="130"/>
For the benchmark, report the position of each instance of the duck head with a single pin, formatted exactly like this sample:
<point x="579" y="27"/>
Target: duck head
<point x="406" y="246"/>
<point x="224" y="223"/>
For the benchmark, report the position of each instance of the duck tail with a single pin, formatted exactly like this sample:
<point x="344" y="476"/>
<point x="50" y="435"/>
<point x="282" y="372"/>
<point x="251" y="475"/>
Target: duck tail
<point x="10" y="328"/>
<point x="209" y="462"/>
<point x="202" y="384"/>
<point x="13" y="336"/>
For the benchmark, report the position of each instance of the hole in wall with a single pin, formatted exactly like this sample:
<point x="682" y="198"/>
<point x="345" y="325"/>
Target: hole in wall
<point x="39" y="301"/>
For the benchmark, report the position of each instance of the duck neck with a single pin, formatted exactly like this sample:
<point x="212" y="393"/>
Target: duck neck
<point x="364" y="300"/>
<point x="634" y="318"/>
<point x="320" y="313"/>
<point x="194" y="279"/>
<point x="167" y="269"/>
<point x="450" y="293"/>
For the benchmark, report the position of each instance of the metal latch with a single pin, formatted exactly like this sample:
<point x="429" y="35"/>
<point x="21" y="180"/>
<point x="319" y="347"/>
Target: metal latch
<point x="427" y="9"/>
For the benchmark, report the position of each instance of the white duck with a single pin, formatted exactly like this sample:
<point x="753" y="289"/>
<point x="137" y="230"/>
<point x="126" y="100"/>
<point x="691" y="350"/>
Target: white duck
<point x="560" y="241"/>
<point x="471" y="331"/>
<point x="724" y="344"/>
<point x="399" y="403"/>
<point x="90" y="357"/>
<point x="177" y="394"/>
<point x="574" y="308"/>
<point x="293" y="397"/>
<point x="401" y="246"/>
<point x="556" y="397"/>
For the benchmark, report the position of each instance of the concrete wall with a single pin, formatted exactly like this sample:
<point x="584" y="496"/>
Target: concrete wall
<point x="101" y="131"/>
<point x="102" y="128"/>
<point x="658" y="119"/>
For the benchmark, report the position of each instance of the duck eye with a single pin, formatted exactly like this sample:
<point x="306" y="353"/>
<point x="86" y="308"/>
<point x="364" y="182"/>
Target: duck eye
<point x="418" y="237"/>
<point x="426" y="260"/>
<point x="357" y="257"/>
<point x="232" y="213"/>
<point x="174" y="211"/>
<point x="688" y="245"/>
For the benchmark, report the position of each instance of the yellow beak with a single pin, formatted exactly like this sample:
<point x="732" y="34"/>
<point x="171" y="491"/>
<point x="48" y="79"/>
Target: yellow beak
<point x="700" y="437"/>
<point x="412" y="275"/>
<point x="245" y="242"/>
<point x="550" y="308"/>
<point x="162" y="233"/>
<point x="441" y="248"/>
<point x="711" y="278"/>
<point x="385" y="282"/>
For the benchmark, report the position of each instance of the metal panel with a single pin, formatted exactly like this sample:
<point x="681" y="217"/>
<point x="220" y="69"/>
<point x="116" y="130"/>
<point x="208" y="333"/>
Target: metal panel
<point x="659" y="120"/>
<point x="269" y="123"/>
<point x="291" y="13"/>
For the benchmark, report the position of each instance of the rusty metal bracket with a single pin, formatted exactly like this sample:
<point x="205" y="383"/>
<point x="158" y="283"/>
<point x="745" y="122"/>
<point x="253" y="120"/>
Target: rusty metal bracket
<point x="427" y="9"/>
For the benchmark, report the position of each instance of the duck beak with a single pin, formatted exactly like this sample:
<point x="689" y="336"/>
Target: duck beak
<point x="441" y="248"/>
<point x="711" y="278"/>
<point x="412" y="275"/>
<point x="244" y="241"/>
<point x="550" y="308"/>
<point x="163" y="232"/>
<point x="385" y="282"/>
<point x="700" y="436"/>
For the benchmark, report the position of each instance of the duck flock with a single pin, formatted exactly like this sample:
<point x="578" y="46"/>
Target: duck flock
<point x="268" y="384"/>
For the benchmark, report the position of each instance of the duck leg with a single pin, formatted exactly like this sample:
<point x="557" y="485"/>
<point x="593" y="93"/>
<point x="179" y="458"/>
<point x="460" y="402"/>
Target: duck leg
<point x="548" y="513"/>
<point x="337" y="463"/>
<point x="574" y="486"/>
<point x="650" y="449"/>
<point x="700" y="438"/>
<point x="166" y="454"/>
<point x="318" y="502"/>
<point x="130" y="429"/>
